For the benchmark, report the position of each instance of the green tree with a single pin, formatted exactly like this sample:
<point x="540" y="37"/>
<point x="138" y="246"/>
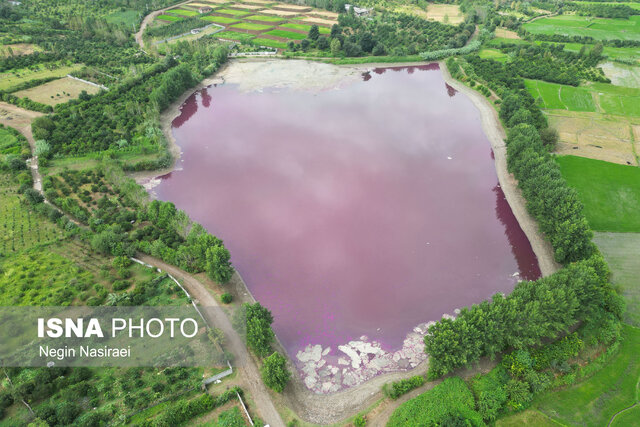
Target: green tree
<point x="275" y="373"/>
<point x="314" y="32"/>
<point x="219" y="266"/>
<point x="258" y="328"/>
<point x="335" y="47"/>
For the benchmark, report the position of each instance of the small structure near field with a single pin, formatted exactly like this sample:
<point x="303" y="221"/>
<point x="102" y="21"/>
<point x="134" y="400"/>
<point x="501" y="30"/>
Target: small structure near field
<point x="205" y="9"/>
<point x="358" y="11"/>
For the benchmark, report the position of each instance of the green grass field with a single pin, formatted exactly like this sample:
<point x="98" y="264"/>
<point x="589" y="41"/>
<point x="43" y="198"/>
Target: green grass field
<point x="530" y="417"/>
<point x="183" y="12"/>
<point x="286" y="34"/>
<point x="220" y="19"/>
<point x="494" y="54"/>
<point x="265" y="18"/>
<point x="610" y="192"/>
<point x="555" y="96"/>
<point x="170" y="18"/>
<point x="593" y="402"/>
<point x="127" y="18"/>
<point x="621" y="101"/>
<point x="9" y="143"/>
<point x="269" y="43"/>
<point x="250" y="26"/>
<point x="233" y="12"/>
<point x="15" y="77"/>
<point x="307" y="28"/>
<point x="598" y="28"/>
<point x="621" y="252"/>
<point x="234" y="35"/>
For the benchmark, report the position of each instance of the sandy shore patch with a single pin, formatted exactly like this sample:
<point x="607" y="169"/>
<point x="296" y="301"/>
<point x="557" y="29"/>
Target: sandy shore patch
<point x="256" y="75"/>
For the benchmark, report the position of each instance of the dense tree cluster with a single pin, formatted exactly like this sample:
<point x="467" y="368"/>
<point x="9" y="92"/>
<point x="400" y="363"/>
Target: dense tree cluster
<point x="620" y="11"/>
<point x="543" y="309"/>
<point x="386" y="33"/>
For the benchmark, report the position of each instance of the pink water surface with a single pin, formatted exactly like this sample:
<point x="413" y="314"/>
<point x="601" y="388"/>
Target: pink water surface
<point x="364" y="210"/>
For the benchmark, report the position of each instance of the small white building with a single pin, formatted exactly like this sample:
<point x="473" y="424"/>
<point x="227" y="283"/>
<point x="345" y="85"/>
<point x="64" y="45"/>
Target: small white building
<point x="358" y="11"/>
<point x="205" y="9"/>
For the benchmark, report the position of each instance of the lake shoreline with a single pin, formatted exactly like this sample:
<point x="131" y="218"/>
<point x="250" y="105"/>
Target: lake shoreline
<point x="334" y="407"/>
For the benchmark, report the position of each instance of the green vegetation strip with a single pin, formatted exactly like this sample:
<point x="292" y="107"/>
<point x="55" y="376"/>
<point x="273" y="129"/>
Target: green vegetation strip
<point x="183" y="12"/>
<point x="269" y="43"/>
<point x="265" y="18"/>
<point x="233" y="12"/>
<point x="598" y="28"/>
<point x="170" y="18"/>
<point x="438" y="405"/>
<point x="621" y="252"/>
<point x="250" y="26"/>
<point x="233" y="35"/>
<point x="610" y="192"/>
<point x="219" y="19"/>
<point x="286" y="34"/>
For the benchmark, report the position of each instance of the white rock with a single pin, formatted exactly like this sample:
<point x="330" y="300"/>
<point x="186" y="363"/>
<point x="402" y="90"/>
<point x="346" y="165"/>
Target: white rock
<point x="343" y="361"/>
<point x="310" y="382"/>
<point x="326" y="351"/>
<point x="353" y="355"/>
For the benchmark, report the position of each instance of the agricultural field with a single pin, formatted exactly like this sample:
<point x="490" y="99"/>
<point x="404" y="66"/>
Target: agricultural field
<point x="183" y="12"/>
<point x="258" y="41"/>
<point x="506" y="34"/>
<point x="169" y="18"/>
<point x="21" y="228"/>
<point x="621" y="252"/>
<point x="245" y="21"/>
<point x="251" y="27"/>
<point x="599" y="121"/>
<point x="286" y="34"/>
<point x="17" y="49"/>
<point x="58" y="91"/>
<point x="494" y="54"/>
<point x="12" y="144"/>
<point x="610" y="192"/>
<point x="598" y="28"/>
<point x="446" y="13"/>
<point x="622" y="74"/>
<point x="220" y="19"/>
<point x="128" y="18"/>
<point x="555" y="96"/>
<point x="11" y="79"/>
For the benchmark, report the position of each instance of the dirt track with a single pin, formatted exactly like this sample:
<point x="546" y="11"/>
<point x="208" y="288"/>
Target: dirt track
<point x="21" y="119"/>
<point x="147" y="19"/>
<point x="248" y="372"/>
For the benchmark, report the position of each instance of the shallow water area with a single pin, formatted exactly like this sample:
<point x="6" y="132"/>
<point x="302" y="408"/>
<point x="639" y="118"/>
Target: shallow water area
<point x="356" y="214"/>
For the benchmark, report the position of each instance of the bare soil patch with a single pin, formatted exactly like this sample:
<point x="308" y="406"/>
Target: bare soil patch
<point x="506" y="34"/>
<point x="17" y="49"/>
<point x="279" y="12"/>
<point x="595" y="136"/>
<point x="319" y="21"/>
<point x="447" y="13"/>
<point x="58" y="91"/>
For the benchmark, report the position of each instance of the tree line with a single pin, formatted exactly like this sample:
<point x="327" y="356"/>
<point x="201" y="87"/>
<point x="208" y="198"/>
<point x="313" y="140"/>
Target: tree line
<point x="535" y="310"/>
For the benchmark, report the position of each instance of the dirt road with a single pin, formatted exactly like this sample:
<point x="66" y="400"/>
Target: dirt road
<point x="20" y="119"/>
<point x="248" y="372"/>
<point x="147" y="20"/>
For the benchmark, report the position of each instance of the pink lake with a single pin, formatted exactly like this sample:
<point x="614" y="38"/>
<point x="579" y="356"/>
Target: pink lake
<point x="364" y="210"/>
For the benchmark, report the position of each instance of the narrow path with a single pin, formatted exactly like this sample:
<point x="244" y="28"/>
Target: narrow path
<point x="147" y="20"/>
<point x="627" y="408"/>
<point x="247" y="369"/>
<point x="20" y="119"/>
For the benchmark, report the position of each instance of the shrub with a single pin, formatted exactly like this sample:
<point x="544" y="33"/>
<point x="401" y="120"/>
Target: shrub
<point x="398" y="388"/>
<point x="226" y="298"/>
